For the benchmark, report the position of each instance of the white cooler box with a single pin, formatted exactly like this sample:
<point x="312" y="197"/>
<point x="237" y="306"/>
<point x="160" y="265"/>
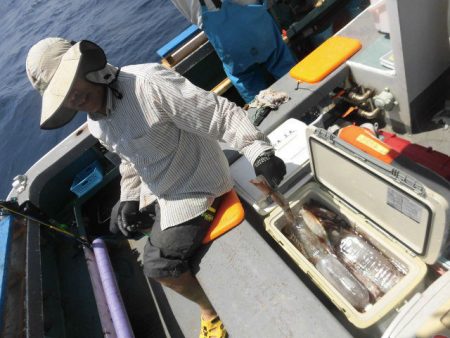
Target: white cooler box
<point x="288" y="140"/>
<point x="405" y="217"/>
<point x="426" y="315"/>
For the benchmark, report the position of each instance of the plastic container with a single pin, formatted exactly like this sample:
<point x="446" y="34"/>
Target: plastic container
<point x="87" y="179"/>
<point x="426" y="315"/>
<point x="414" y="267"/>
<point x="379" y="202"/>
<point x="343" y="281"/>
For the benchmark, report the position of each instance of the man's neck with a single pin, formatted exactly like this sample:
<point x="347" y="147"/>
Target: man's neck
<point x="104" y="110"/>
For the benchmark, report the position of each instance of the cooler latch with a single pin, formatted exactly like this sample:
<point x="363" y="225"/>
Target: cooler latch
<point x="396" y="174"/>
<point x="334" y="140"/>
<point x="325" y="135"/>
<point x="408" y="181"/>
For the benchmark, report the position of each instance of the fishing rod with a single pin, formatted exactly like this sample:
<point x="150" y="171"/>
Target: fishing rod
<point x="58" y="228"/>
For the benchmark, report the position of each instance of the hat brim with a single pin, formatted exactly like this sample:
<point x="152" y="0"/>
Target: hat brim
<point x="54" y="114"/>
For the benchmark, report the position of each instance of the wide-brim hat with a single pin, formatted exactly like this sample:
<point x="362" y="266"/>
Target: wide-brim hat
<point x="53" y="65"/>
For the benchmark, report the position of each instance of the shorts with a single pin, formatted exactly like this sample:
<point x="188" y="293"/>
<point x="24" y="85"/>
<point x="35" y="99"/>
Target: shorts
<point x="168" y="252"/>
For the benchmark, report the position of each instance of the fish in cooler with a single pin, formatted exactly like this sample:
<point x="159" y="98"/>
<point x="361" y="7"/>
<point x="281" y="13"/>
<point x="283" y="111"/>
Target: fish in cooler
<point x="307" y="234"/>
<point x="305" y="240"/>
<point x="373" y="269"/>
<point x="366" y="263"/>
<point x="314" y="224"/>
<point x="320" y="254"/>
<point x="324" y="215"/>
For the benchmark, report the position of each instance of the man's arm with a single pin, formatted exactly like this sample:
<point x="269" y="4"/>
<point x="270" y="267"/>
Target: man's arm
<point x="130" y="182"/>
<point x="128" y="209"/>
<point x="206" y="114"/>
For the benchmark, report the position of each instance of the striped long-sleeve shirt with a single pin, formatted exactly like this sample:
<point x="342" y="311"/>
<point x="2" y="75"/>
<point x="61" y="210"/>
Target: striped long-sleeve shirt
<point x="166" y="130"/>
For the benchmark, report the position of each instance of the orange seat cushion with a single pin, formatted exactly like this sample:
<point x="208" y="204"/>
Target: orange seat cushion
<point x="324" y="59"/>
<point x="229" y="214"/>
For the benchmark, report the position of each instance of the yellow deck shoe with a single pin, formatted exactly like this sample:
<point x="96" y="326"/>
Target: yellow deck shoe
<point x="212" y="328"/>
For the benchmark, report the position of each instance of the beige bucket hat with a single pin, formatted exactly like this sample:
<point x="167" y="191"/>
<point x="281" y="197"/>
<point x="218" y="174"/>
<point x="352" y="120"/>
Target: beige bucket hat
<point x="53" y="64"/>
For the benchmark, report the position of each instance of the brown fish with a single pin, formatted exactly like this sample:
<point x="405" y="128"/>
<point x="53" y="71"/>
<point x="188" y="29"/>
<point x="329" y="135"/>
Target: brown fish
<point x="326" y="216"/>
<point x="261" y="183"/>
<point x="306" y="241"/>
<point x="315" y="225"/>
<point x="320" y="211"/>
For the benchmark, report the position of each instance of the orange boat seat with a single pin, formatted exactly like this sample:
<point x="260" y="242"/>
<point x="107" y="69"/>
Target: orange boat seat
<point x="324" y="59"/>
<point x="229" y="214"/>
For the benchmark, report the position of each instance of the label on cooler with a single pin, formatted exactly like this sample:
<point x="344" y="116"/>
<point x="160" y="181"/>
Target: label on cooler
<point x="404" y="204"/>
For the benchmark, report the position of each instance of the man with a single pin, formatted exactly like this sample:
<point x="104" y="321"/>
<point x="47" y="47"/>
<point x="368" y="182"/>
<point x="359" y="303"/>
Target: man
<point x="246" y="39"/>
<point x="166" y="131"/>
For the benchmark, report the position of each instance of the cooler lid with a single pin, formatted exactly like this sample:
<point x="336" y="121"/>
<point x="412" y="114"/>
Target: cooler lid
<point x="395" y="201"/>
<point x="289" y="141"/>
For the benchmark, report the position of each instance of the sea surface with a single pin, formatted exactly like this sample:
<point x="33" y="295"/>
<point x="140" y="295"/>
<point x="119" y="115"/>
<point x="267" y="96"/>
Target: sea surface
<point x="130" y="32"/>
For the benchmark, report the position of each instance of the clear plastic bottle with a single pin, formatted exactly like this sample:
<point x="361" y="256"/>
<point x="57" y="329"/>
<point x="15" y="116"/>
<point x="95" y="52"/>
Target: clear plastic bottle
<point x="343" y="281"/>
<point x="328" y="265"/>
<point x="310" y="245"/>
<point x="367" y="261"/>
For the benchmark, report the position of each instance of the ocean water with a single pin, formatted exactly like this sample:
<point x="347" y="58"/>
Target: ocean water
<point x="130" y="32"/>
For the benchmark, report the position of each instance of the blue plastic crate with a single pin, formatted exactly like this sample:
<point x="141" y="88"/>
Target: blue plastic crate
<point x="87" y="179"/>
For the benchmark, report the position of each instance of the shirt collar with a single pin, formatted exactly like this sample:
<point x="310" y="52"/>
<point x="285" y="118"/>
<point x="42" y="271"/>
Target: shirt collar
<point x="109" y="101"/>
<point x="109" y="107"/>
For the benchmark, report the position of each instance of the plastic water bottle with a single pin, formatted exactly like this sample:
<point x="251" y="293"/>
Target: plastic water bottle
<point x="367" y="261"/>
<point x="313" y="247"/>
<point x="318" y="253"/>
<point x="343" y="281"/>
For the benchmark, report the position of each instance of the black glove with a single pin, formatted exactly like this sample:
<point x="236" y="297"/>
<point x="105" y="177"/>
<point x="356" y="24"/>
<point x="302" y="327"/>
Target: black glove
<point x="127" y="217"/>
<point x="135" y="219"/>
<point x="271" y="167"/>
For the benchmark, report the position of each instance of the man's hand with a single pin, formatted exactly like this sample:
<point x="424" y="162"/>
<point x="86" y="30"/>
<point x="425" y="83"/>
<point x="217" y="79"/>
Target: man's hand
<point x="127" y="217"/>
<point x="271" y="167"/>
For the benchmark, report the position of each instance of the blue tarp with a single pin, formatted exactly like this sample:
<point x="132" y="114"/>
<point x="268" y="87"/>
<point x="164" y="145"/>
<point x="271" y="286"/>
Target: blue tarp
<point x="5" y="245"/>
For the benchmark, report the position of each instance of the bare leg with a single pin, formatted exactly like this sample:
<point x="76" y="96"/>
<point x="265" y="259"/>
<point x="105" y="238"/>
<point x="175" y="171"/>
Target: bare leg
<point x="188" y="286"/>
